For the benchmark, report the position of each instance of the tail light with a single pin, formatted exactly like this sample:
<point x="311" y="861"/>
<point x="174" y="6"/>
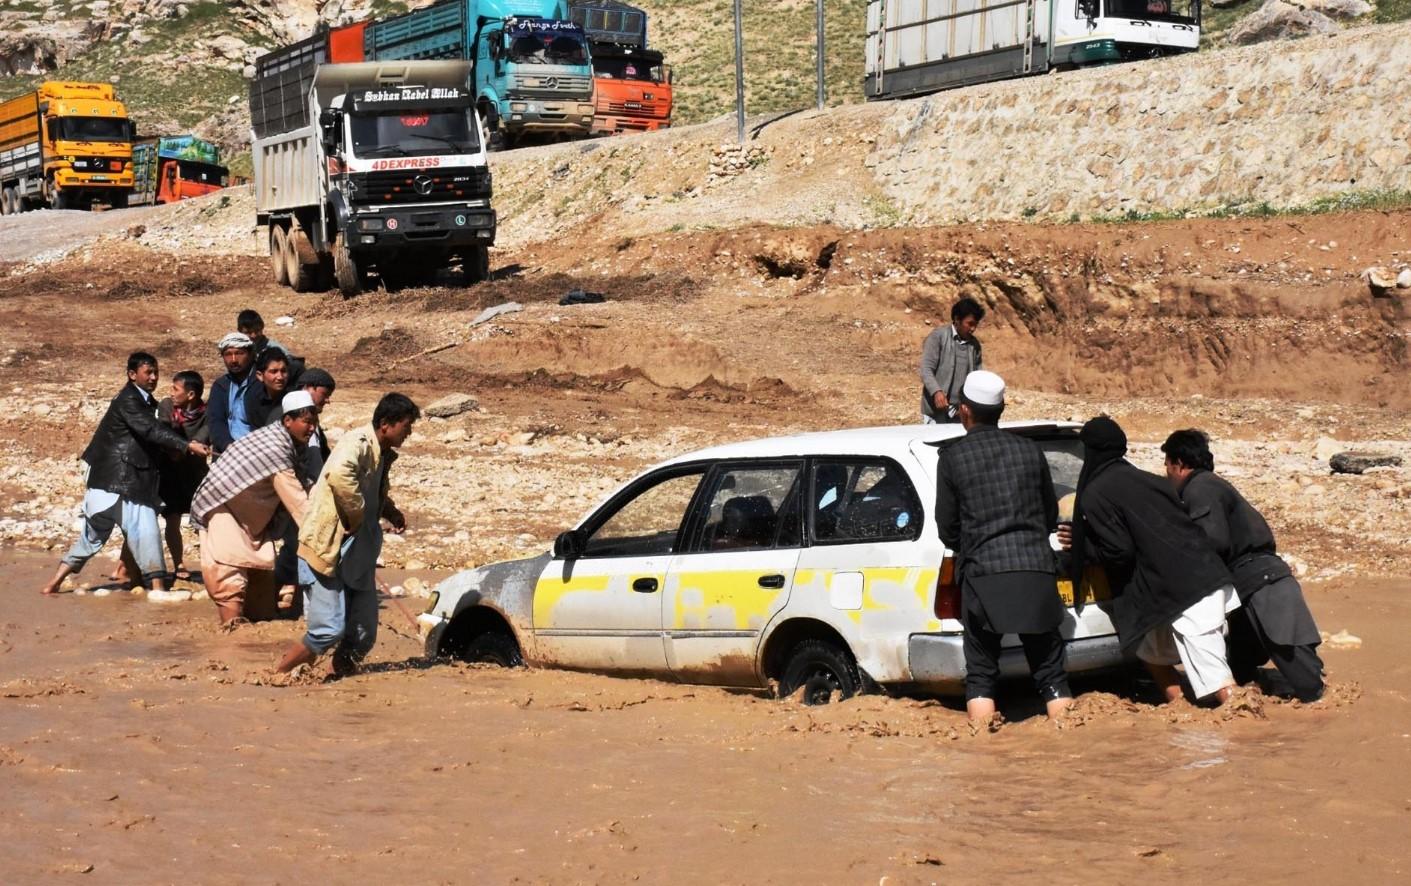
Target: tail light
<point x="947" y="591"/>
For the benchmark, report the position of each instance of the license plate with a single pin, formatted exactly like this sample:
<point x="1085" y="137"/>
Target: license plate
<point x="100" y="178"/>
<point x="1095" y="587"/>
<point x="634" y="106"/>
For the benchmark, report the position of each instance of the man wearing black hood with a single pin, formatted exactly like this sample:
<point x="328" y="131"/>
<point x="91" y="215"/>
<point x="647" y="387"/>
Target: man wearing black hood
<point x="1172" y="589"/>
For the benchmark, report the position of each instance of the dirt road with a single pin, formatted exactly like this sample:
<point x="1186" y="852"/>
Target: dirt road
<point x="138" y="744"/>
<point x="136" y="739"/>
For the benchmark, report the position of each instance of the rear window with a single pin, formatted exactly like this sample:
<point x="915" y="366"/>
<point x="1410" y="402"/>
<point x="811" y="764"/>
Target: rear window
<point x="863" y="500"/>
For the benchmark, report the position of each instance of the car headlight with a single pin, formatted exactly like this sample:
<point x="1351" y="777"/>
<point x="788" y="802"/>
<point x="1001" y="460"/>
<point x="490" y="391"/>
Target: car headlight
<point x="432" y="601"/>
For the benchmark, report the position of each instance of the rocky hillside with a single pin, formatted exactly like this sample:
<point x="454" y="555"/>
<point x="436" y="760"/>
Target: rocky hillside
<point x="182" y="64"/>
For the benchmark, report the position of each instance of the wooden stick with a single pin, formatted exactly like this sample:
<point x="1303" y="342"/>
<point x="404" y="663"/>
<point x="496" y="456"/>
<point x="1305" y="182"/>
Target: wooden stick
<point x="436" y="350"/>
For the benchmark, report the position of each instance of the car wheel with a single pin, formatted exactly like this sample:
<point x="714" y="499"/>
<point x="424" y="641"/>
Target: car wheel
<point x="492" y="647"/>
<point x="822" y="670"/>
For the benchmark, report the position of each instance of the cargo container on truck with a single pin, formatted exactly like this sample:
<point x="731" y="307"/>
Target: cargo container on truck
<point x="382" y="168"/>
<point x="920" y="46"/>
<point x="166" y="170"/>
<point x="631" y="82"/>
<point x="66" y="145"/>
<point x="531" y="71"/>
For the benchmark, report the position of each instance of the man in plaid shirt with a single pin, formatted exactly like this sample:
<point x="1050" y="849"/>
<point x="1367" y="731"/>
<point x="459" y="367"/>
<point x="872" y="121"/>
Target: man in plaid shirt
<point x="995" y="507"/>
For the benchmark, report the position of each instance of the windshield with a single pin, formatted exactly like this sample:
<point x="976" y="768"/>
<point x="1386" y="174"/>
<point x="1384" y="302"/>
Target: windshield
<point x="203" y="173"/>
<point x="89" y="129"/>
<point x="625" y="68"/>
<point x="415" y="133"/>
<point x="528" y="46"/>
<point x="1181" y="11"/>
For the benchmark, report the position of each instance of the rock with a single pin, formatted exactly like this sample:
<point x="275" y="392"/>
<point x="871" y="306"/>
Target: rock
<point x="1379" y="279"/>
<point x="1355" y="461"/>
<point x="1403" y="280"/>
<point x="284" y="321"/>
<point x="459" y="435"/>
<point x="413" y="584"/>
<point x="1278" y="20"/>
<point x="1342" y="10"/>
<point x="1315" y="489"/>
<point x="1343" y="640"/>
<point x="1326" y="448"/>
<point x="101" y="592"/>
<point x="414" y="566"/>
<point x="397" y="591"/>
<point x="1225" y="4"/>
<point x="488" y="314"/>
<point x="451" y="405"/>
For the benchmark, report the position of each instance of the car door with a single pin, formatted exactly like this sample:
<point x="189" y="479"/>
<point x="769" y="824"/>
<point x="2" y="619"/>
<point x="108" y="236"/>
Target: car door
<point x="736" y="573"/>
<point x="602" y="611"/>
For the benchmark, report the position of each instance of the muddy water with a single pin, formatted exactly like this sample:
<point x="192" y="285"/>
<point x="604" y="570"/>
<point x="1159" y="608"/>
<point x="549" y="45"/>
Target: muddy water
<point x="139" y="744"/>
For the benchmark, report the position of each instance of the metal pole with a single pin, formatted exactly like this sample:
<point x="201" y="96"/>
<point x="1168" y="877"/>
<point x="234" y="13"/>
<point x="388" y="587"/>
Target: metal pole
<point x="822" y="88"/>
<point x="739" y="74"/>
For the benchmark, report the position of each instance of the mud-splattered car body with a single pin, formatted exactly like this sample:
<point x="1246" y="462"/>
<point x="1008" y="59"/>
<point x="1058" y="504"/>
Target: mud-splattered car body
<point x="718" y="566"/>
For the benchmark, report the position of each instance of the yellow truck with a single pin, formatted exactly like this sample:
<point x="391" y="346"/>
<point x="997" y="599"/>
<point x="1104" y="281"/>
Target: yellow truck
<point x="66" y="145"/>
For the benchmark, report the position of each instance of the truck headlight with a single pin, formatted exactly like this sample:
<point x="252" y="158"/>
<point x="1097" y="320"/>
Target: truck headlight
<point x="370" y="224"/>
<point x="519" y="106"/>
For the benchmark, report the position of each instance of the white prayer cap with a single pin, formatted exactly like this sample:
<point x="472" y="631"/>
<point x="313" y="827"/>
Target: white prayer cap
<point x="983" y="388"/>
<point x="296" y="400"/>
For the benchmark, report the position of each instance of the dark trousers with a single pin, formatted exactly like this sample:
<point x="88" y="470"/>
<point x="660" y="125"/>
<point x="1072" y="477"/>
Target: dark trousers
<point x="1249" y="647"/>
<point x="1044" y="652"/>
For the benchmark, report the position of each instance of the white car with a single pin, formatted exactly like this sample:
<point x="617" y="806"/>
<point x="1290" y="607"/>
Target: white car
<point x="809" y="562"/>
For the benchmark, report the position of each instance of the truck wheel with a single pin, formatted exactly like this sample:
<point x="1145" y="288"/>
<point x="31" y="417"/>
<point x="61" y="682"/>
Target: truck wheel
<point x="118" y="200"/>
<point x="301" y="277"/>
<point x="475" y="266"/>
<point x="345" y="267"/>
<point x="822" y="670"/>
<point x="63" y="201"/>
<point x="8" y="202"/>
<point x="276" y="254"/>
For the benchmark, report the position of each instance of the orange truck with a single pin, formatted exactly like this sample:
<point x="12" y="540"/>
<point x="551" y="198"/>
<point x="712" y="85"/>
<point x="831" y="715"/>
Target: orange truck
<point x="66" y="145"/>
<point x="167" y="170"/>
<point x="631" y="82"/>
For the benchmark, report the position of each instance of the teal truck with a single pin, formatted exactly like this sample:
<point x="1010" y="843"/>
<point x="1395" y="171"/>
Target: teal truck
<point x="166" y="170"/>
<point x="531" y="68"/>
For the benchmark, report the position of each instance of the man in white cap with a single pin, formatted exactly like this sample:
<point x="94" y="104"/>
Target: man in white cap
<point x="238" y="511"/>
<point x="225" y="407"/>
<point x="995" y="508"/>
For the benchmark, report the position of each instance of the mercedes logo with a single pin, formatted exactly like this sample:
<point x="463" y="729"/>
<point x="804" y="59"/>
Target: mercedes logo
<point x="422" y="183"/>
<point x="551" y="83"/>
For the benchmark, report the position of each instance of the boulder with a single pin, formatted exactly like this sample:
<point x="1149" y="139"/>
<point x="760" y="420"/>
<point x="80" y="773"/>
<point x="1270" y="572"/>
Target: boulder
<point x="1403" y="280"/>
<point x="451" y="405"/>
<point x="1379" y="279"/>
<point x="1342" y="10"/>
<point x="1278" y="20"/>
<point x="1355" y="462"/>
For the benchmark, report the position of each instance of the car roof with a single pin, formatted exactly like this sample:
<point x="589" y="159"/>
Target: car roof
<point x="893" y="440"/>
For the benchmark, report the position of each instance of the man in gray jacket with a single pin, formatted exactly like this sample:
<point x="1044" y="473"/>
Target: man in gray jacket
<point x="1274" y="621"/>
<point x="948" y="355"/>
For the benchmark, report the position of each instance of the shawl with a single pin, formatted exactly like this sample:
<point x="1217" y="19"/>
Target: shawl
<point x="256" y="456"/>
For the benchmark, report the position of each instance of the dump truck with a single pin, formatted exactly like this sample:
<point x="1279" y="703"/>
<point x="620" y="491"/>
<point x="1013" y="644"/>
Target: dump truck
<point x="631" y="82"/>
<point x="531" y="68"/>
<point x="65" y="145"/>
<point x="914" y="47"/>
<point x="381" y="168"/>
<point x="169" y="169"/>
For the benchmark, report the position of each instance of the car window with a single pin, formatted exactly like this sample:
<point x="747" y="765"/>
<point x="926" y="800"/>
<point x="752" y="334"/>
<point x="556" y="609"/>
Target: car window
<point x="863" y="500"/>
<point x="1065" y="461"/>
<point x="648" y="523"/>
<point x="752" y="508"/>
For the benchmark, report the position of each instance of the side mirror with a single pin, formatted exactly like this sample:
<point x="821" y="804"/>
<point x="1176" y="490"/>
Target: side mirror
<point x="328" y="124"/>
<point x="570" y="545"/>
<point x="1088" y="8"/>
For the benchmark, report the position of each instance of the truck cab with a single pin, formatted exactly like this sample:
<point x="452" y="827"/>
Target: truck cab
<point x="87" y="145"/>
<point x="168" y="170"/>
<point x="631" y="82"/>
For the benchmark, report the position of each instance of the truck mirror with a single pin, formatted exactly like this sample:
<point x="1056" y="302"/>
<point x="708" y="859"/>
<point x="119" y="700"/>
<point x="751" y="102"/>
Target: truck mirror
<point x="328" y="118"/>
<point x="1088" y="8"/>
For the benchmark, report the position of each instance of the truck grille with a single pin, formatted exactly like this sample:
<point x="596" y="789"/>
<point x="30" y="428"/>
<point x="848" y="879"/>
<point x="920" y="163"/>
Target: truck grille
<point x="551" y="85"/>
<point x="421" y="186"/>
<point x="631" y="109"/>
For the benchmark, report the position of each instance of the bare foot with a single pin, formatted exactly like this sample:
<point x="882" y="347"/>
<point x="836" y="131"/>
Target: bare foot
<point x="51" y="588"/>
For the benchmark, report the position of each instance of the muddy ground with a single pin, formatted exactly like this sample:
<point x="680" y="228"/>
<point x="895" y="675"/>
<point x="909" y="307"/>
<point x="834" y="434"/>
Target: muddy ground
<point x="138" y="740"/>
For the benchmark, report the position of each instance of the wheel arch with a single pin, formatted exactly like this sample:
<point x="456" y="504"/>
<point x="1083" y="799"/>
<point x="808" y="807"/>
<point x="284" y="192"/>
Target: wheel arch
<point x="471" y="622"/>
<point x="787" y="634"/>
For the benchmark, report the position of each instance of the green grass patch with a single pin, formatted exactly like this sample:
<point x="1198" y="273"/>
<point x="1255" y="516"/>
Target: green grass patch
<point x="1391" y="10"/>
<point x="1347" y="201"/>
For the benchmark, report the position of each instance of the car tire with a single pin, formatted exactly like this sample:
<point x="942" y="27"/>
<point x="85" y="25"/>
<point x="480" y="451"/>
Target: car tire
<point x="277" y="263"/>
<point x="822" y="669"/>
<point x="492" y="647"/>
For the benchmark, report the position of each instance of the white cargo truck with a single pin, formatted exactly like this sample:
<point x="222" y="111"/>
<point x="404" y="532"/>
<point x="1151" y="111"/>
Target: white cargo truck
<point x="919" y="46"/>
<point x="369" y="167"/>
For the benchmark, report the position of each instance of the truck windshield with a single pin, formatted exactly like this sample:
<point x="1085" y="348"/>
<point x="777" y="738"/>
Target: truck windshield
<point x="626" y="68"/>
<point x="537" y="47"/>
<point x="1178" y="11"/>
<point x="414" y="133"/>
<point x="204" y="173"/>
<point x="89" y="129"/>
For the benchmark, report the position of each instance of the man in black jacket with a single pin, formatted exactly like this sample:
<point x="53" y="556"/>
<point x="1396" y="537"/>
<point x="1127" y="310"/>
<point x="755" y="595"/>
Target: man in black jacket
<point x="123" y="460"/>
<point x="995" y="507"/>
<point x="1173" y="590"/>
<point x="1273" y="620"/>
<point x="265" y="398"/>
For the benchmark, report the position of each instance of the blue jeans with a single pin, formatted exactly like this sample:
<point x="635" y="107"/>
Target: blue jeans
<point x="338" y="615"/>
<point x="105" y="511"/>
